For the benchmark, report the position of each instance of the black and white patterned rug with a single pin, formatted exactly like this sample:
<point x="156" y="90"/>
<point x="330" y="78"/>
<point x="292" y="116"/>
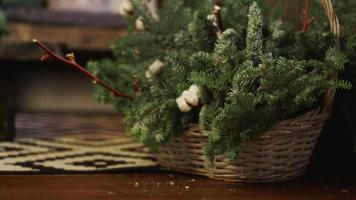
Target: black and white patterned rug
<point x="69" y="150"/>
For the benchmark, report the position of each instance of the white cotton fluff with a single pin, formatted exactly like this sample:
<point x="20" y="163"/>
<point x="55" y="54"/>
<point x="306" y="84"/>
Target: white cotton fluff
<point x="192" y="96"/>
<point x="154" y="68"/>
<point x="125" y="8"/>
<point x="188" y="99"/>
<point x="139" y="25"/>
<point x="182" y="104"/>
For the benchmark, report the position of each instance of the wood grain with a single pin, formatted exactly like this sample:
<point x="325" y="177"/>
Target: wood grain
<point x="72" y="36"/>
<point x="41" y="15"/>
<point x="166" y="186"/>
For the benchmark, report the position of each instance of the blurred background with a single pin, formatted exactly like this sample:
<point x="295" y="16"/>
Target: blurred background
<point x="86" y="27"/>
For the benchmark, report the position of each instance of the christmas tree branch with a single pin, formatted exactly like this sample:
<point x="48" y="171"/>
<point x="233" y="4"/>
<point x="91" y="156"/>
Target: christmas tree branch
<point x="70" y="60"/>
<point x="306" y="20"/>
<point x="217" y="13"/>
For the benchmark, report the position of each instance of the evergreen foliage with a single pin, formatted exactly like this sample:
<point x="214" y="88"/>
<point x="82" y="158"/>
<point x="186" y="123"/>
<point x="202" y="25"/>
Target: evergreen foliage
<point x="254" y="33"/>
<point x="254" y="74"/>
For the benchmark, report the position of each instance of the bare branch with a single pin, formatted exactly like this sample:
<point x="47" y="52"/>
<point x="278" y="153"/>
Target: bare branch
<point x="137" y="85"/>
<point x="70" y="60"/>
<point x="217" y="13"/>
<point x="306" y="20"/>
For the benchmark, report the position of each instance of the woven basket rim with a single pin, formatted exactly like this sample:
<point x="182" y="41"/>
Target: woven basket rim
<point x="314" y="111"/>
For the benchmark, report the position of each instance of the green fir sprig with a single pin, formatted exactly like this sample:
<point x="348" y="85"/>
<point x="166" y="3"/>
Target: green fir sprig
<point x="246" y="78"/>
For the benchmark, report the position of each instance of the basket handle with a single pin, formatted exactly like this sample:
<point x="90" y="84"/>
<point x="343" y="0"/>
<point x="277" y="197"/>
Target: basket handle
<point x="335" y="28"/>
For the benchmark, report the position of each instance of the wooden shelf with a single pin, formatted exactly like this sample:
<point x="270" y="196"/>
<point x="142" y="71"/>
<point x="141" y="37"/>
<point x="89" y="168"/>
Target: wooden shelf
<point x="42" y="15"/>
<point x="72" y="30"/>
<point x="18" y="45"/>
<point x="73" y="36"/>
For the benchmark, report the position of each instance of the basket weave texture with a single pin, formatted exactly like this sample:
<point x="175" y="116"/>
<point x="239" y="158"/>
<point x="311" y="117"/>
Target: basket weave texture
<point x="280" y="154"/>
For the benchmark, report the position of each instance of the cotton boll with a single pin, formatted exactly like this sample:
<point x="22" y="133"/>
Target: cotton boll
<point x="192" y="95"/>
<point x="192" y="98"/>
<point x="139" y="25"/>
<point x="189" y="99"/>
<point x="185" y="94"/>
<point x="126" y="8"/>
<point x="194" y="88"/>
<point x="155" y="67"/>
<point x="182" y="104"/>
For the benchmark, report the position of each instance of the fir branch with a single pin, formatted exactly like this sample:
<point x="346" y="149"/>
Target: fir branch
<point x="254" y="44"/>
<point x="238" y="100"/>
<point x="226" y="46"/>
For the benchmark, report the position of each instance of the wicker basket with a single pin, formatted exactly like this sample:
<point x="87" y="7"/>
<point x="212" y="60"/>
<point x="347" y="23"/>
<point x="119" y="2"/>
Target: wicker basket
<point x="280" y="154"/>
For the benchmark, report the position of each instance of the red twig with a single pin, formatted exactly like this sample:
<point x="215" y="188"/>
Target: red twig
<point x="219" y="22"/>
<point x="70" y="60"/>
<point x="306" y="20"/>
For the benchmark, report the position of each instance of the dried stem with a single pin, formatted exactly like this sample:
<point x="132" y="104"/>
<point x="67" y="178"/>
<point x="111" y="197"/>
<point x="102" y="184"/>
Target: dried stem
<point x="306" y="20"/>
<point x="70" y="60"/>
<point x="217" y="13"/>
<point x="137" y="85"/>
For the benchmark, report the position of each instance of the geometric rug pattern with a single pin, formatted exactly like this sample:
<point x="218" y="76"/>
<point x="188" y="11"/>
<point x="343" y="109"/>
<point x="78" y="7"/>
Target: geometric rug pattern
<point x="67" y="149"/>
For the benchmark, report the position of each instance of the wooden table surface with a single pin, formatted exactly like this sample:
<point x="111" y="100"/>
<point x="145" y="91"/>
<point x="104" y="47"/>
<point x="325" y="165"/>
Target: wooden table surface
<point x="322" y="182"/>
<point x="167" y="185"/>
